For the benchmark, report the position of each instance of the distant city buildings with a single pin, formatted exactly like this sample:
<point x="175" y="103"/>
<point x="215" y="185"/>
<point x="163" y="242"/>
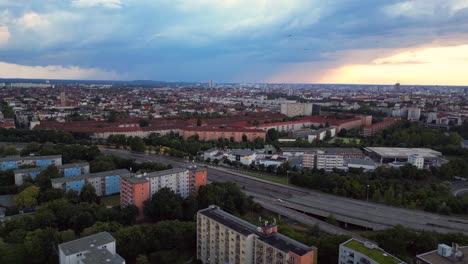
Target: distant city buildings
<point x="224" y="238"/>
<point x="93" y="249"/>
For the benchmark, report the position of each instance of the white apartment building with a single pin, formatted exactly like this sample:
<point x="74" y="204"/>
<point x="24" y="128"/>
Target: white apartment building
<point x="174" y="179"/>
<point x="97" y="248"/>
<point x="224" y="238"/>
<point x="356" y="252"/>
<point x="416" y="160"/>
<point x="321" y="160"/>
<point x="414" y="113"/>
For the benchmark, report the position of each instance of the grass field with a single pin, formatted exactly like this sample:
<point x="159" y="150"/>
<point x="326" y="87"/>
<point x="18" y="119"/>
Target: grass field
<point x="112" y="201"/>
<point x="267" y="177"/>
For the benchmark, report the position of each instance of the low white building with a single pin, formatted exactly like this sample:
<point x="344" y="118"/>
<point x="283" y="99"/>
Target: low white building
<point x="416" y="160"/>
<point x="97" y="248"/>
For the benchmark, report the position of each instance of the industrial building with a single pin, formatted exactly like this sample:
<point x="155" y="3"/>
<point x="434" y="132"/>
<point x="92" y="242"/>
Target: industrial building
<point x="224" y="238"/>
<point x="105" y="183"/>
<point x="136" y="189"/>
<point x="388" y="155"/>
<point x="97" y="248"/>
<point x="356" y="252"/>
<point x="66" y="170"/>
<point x="322" y="160"/>
<point x="14" y="162"/>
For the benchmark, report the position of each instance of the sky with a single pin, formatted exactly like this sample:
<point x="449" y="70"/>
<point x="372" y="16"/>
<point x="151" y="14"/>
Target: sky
<point x="293" y="41"/>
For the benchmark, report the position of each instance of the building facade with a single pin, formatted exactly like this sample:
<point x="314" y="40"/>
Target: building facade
<point x="14" y="162"/>
<point x="105" y="183"/>
<point x="97" y="248"/>
<point x="213" y="134"/>
<point x="224" y="238"/>
<point x="296" y="109"/>
<point x="322" y="160"/>
<point x="66" y="170"/>
<point x="416" y="160"/>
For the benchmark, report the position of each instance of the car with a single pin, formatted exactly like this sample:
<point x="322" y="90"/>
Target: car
<point x="279" y="200"/>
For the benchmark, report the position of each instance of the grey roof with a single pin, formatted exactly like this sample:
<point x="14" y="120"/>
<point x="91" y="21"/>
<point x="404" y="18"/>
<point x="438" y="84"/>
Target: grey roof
<point x="242" y="152"/>
<point x="86" y="243"/>
<point x="142" y="178"/>
<point x="286" y="244"/>
<point x="91" y="175"/>
<point x="64" y="166"/>
<point x="17" y="158"/>
<point x="365" y="162"/>
<point x="403" y="152"/>
<point x="98" y="256"/>
<point x="327" y="150"/>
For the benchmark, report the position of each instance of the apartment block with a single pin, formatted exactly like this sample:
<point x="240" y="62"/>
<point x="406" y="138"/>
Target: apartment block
<point x="322" y="160"/>
<point x="136" y="189"/>
<point x="356" y="252"/>
<point x="97" y="248"/>
<point x="105" y="183"/>
<point x="14" y="162"/>
<point x="66" y="170"/>
<point x="224" y="238"/>
<point x="296" y="109"/>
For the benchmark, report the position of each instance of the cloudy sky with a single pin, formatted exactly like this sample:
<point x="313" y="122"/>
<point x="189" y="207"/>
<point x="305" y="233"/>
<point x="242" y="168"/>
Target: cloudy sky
<point x="297" y="41"/>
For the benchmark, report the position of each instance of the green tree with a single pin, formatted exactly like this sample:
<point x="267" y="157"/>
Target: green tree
<point x="41" y="245"/>
<point x="43" y="180"/>
<point x="88" y="194"/>
<point x="164" y="205"/>
<point x="137" y="144"/>
<point x="82" y="220"/>
<point x="27" y="198"/>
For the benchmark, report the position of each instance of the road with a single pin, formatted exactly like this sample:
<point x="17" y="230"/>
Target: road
<point x="459" y="188"/>
<point x="357" y="212"/>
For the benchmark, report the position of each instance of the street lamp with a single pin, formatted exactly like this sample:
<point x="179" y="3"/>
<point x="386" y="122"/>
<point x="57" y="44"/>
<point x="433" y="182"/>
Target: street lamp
<point x="367" y="192"/>
<point x="287" y="177"/>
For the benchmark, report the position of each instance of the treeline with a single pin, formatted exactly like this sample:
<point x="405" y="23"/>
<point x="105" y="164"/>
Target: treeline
<point x="414" y="135"/>
<point x="179" y="147"/>
<point x="43" y="136"/>
<point x="404" y="187"/>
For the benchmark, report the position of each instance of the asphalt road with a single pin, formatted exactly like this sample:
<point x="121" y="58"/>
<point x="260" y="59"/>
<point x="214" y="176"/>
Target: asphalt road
<point x="362" y="213"/>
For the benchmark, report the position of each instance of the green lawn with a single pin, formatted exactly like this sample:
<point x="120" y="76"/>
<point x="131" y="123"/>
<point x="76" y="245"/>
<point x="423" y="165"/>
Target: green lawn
<point x="113" y="200"/>
<point x="266" y="177"/>
<point x="375" y="254"/>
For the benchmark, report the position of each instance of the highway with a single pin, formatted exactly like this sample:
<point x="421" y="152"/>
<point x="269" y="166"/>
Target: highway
<point x="356" y="212"/>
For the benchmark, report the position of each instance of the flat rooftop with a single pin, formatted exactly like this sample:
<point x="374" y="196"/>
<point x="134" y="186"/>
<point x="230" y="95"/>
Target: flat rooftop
<point x="64" y="166"/>
<point x="86" y="243"/>
<point x="434" y="258"/>
<point x="101" y="256"/>
<point x="327" y="150"/>
<point x="403" y="152"/>
<point x="121" y="172"/>
<point x="377" y="254"/>
<point x="286" y="244"/>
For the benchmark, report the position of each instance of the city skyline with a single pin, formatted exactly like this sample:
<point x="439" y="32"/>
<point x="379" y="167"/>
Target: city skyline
<point x="412" y="42"/>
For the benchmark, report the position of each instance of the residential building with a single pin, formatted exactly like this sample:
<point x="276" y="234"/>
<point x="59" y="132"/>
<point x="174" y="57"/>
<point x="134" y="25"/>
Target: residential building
<point x="93" y="249"/>
<point x="224" y="238"/>
<point x="66" y="170"/>
<point x="357" y="252"/>
<point x="416" y="160"/>
<point x="296" y="109"/>
<point x="105" y="183"/>
<point x="14" y="162"/>
<point x="136" y="189"/>
<point x="322" y="160"/>
<point x="215" y="133"/>
<point x="444" y="254"/>
<point x="414" y="113"/>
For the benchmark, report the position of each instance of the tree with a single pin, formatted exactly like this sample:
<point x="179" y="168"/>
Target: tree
<point x="41" y="245"/>
<point x="43" y="180"/>
<point x="128" y="214"/>
<point x="272" y="135"/>
<point x="199" y="122"/>
<point x="144" y="123"/>
<point x="82" y="220"/>
<point x="137" y="144"/>
<point x="27" y="198"/>
<point x="244" y="138"/>
<point x="189" y="208"/>
<point x="164" y="205"/>
<point x="88" y="194"/>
